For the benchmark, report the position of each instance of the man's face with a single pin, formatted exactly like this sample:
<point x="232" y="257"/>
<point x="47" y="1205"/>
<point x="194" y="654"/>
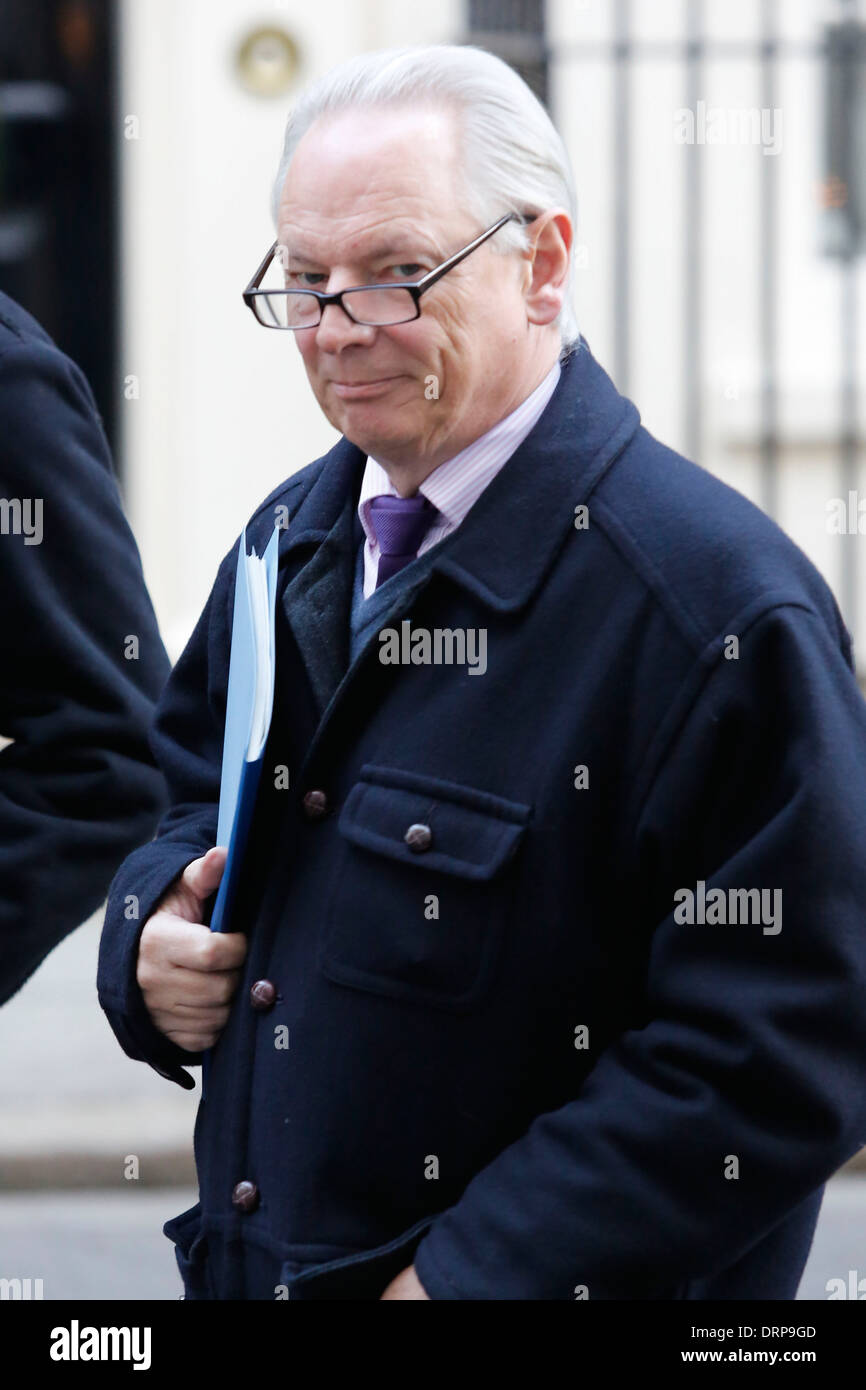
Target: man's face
<point x="376" y="195"/>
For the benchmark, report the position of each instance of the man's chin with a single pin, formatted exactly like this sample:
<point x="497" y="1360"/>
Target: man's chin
<point x="379" y="443"/>
<point x="373" y="425"/>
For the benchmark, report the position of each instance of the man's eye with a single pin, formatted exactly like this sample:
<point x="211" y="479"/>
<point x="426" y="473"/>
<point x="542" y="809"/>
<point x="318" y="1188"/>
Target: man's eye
<point x="409" y="270"/>
<point x="305" y="279"/>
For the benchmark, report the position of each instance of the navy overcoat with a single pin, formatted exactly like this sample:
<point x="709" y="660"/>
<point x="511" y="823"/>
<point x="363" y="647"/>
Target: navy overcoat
<point x="599" y="1030"/>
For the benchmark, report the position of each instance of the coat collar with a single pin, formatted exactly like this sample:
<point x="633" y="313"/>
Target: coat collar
<point x="505" y="545"/>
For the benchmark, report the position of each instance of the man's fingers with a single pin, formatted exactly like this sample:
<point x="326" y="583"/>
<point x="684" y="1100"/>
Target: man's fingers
<point x="193" y="1029"/>
<point x="169" y="940"/>
<point x="199" y="1015"/>
<point x="191" y="1018"/>
<point x="191" y="1042"/>
<point x="188" y="976"/>
<point x="220" y="951"/>
<point x="196" y="989"/>
<point x="202" y="877"/>
<point x="186" y="895"/>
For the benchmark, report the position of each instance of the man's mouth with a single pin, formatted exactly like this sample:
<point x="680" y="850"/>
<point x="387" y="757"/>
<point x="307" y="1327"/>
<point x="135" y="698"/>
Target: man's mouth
<point x="359" y="390"/>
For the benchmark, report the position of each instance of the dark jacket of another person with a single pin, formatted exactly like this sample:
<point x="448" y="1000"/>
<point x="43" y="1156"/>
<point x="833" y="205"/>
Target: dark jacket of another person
<point x="78" y="786"/>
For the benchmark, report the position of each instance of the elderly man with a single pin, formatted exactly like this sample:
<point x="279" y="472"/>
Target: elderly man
<point x="545" y="978"/>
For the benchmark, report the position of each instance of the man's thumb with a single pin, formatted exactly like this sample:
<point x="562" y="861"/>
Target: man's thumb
<point x="202" y="876"/>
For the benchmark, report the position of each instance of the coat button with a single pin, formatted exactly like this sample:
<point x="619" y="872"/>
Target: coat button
<point x="245" y="1196"/>
<point x="419" y="838"/>
<point x="262" y="995"/>
<point x="315" y="805"/>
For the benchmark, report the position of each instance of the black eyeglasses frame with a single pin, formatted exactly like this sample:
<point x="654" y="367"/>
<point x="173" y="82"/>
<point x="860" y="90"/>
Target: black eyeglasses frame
<point x="415" y="288"/>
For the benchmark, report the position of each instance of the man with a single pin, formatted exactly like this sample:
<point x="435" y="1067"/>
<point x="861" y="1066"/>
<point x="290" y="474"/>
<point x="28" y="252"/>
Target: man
<point x="81" y="657"/>
<point x="541" y="684"/>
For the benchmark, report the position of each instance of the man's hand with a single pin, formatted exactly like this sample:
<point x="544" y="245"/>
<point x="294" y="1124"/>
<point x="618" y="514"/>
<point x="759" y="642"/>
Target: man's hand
<point x="187" y="973"/>
<point x="405" y="1285"/>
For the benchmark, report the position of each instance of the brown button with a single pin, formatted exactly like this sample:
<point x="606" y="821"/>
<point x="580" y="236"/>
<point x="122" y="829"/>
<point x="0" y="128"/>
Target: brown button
<point x="315" y="805"/>
<point x="245" y="1196"/>
<point x="419" y="838"/>
<point x="262" y="995"/>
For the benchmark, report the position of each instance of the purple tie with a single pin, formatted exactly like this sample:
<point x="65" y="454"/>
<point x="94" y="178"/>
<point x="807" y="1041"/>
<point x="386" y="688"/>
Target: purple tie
<point x="400" y="525"/>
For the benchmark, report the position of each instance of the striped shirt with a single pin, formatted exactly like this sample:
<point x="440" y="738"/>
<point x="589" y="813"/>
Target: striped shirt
<point x="456" y="485"/>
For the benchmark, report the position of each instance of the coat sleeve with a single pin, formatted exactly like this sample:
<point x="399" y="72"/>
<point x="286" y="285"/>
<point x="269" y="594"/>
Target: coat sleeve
<point x="78" y="786"/>
<point x="743" y="1088"/>
<point x="187" y="739"/>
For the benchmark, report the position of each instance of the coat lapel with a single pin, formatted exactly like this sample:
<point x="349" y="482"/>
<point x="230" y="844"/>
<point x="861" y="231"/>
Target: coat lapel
<point x="317" y="602"/>
<point x="318" y="557"/>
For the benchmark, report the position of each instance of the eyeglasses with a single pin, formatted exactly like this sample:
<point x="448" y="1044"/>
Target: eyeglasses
<point x="375" y="306"/>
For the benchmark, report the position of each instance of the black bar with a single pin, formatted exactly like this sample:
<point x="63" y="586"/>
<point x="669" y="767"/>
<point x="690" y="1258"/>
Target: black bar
<point x="190" y="1339"/>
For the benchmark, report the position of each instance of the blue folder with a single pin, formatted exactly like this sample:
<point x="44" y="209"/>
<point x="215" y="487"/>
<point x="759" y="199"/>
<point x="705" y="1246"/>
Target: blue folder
<point x="249" y="706"/>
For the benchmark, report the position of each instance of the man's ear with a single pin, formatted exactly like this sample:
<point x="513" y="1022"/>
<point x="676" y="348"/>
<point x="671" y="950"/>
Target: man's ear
<point x="550" y="237"/>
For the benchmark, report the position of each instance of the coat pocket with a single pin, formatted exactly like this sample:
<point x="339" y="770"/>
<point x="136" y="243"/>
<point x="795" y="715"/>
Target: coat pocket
<point x="190" y="1249"/>
<point x="421" y="924"/>
<point x="364" y="1275"/>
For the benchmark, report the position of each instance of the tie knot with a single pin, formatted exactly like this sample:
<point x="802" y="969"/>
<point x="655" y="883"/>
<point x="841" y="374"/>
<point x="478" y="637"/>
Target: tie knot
<point x="399" y="525"/>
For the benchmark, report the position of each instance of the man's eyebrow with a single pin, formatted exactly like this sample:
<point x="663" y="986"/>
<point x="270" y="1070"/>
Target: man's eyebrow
<point x="398" y="247"/>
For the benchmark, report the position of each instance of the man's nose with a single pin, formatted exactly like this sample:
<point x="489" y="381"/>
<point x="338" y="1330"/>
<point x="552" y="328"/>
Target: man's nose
<point x="337" y="330"/>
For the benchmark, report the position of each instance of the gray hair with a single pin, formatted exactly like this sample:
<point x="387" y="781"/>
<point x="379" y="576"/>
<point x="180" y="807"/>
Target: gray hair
<point x="513" y="157"/>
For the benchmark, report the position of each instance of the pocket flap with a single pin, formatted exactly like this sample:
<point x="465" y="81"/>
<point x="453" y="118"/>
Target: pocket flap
<point x="364" y="1275"/>
<point x="473" y="833"/>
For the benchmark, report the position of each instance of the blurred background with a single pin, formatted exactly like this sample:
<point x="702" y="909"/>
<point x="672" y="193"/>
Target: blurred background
<point x="719" y="149"/>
